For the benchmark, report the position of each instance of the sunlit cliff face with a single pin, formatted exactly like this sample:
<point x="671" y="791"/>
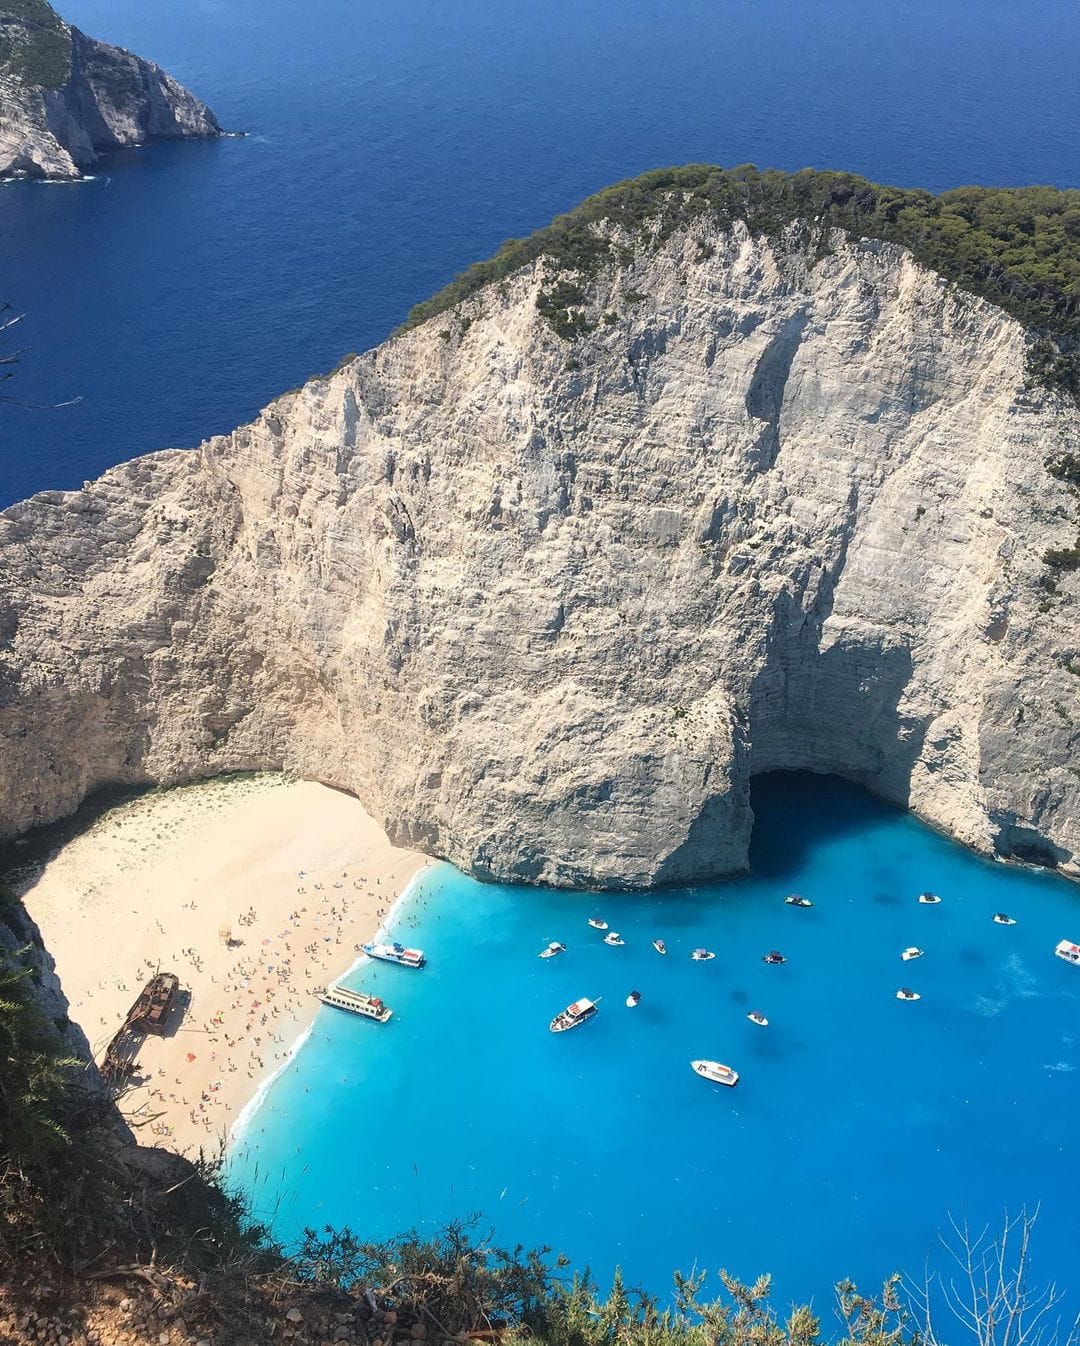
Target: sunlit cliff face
<point x="547" y="606"/>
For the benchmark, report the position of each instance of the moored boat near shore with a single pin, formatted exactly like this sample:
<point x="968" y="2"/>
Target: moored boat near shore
<point x="356" y="1002"/>
<point x="796" y="900"/>
<point x="910" y="953"/>
<point x="1069" y="951"/>
<point x="715" y="1071"/>
<point x="702" y="955"/>
<point x="614" y="939"/>
<point x="659" y="946"/>
<point x="906" y="993"/>
<point x="574" y="1015"/>
<point x="929" y="899"/>
<point x="552" y="949"/>
<point x="773" y="956"/>
<point x="756" y="1017"/>
<point x="597" y="923"/>
<point x="1000" y="918"/>
<point x="395" y="953"/>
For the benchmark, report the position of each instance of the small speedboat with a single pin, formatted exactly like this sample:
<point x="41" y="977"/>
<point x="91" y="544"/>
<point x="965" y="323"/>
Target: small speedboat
<point x="999" y="918"/>
<point x="702" y="955"/>
<point x="633" y="999"/>
<point x="552" y="949"/>
<point x="659" y="946"/>
<point x="911" y="953"/>
<point x="356" y="1002"/>
<point x="929" y="899"/>
<point x="597" y="923"/>
<point x="906" y="993"/>
<point x="794" y="900"/>
<point x="395" y="953"/>
<point x="773" y="956"/>
<point x="614" y="939"/>
<point x="574" y="1015"/>
<point x="756" y="1017"/>
<point x="1069" y="951"/>
<point x="715" y="1071"/>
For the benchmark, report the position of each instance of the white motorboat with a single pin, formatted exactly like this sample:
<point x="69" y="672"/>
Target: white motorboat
<point x="929" y="899"/>
<point x="597" y="923"/>
<point x="574" y="1015"/>
<point x="552" y="949"/>
<point x="774" y="956"/>
<point x="1069" y="951"/>
<point x="756" y="1017"/>
<point x="702" y="955"/>
<point x="633" y="999"/>
<point x="356" y="1002"/>
<point x="659" y="946"/>
<point x="911" y="953"/>
<point x="999" y="918"/>
<point x="715" y="1071"/>
<point x="906" y="993"/>
<point x="614" y="939"/>
<point x="795" y="900"/>
<point x="395" y="953"/>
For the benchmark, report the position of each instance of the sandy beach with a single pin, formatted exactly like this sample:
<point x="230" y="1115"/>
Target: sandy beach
<point x="298" y="875"/>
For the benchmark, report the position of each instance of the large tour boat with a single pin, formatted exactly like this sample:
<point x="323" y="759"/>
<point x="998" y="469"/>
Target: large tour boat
<point x="356" y="1002"/>
<point x="1069" y="951"/>
<point x="574" y="1015"/>
<point x="395" y="953"/>
<point x="715" y="1071"/>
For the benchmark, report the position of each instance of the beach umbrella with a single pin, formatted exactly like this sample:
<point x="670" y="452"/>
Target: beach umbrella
<point x="191" y="1056"/>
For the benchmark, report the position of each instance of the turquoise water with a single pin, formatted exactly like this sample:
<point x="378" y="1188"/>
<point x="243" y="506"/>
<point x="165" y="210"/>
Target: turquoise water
<point x="858" y="1123"/>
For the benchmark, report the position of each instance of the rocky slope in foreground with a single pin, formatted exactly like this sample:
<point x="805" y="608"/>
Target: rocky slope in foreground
<point x="66" y="98"/>
<point x="546" y="605"/>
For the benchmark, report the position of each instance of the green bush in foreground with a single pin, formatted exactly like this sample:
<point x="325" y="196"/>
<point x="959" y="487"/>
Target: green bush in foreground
<point x="1017" y="247"/>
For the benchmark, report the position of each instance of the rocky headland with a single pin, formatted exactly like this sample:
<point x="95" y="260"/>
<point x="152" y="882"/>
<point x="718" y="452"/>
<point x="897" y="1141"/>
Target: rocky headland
<point x="546" y="578"/>
<point x="65" y="99"/>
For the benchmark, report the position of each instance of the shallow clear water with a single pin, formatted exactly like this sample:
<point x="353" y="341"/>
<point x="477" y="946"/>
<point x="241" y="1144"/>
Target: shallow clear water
<point x="392" y="144"/>
<point x="858" y="1123"/>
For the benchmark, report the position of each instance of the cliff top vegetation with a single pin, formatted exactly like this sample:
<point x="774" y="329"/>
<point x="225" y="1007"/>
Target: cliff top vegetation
<point x="34" y="43"/>
<point x="1019" y="247"/>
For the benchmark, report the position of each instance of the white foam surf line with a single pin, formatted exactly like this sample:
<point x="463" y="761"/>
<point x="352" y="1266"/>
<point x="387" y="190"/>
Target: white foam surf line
<point x="247" y="1113"/>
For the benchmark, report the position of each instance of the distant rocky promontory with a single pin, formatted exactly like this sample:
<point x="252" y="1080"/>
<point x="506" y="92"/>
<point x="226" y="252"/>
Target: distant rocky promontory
<point x="66" y="98"/>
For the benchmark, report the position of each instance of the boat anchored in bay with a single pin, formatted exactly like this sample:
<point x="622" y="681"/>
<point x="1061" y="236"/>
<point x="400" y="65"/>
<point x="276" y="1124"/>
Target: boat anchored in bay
<point x="395" y="953"/>
<point x="574" y="1015"/>
<point x="356" y="1002"/>
<point x="715" y="1071"/>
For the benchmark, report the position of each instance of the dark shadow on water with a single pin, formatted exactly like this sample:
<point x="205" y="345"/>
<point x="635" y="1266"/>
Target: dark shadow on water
<point x="796" y="811"/>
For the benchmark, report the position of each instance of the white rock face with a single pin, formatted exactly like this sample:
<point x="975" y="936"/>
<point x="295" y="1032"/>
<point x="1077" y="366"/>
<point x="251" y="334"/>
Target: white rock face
<point x="112" y="99"/>
<point x="546" y="608"/>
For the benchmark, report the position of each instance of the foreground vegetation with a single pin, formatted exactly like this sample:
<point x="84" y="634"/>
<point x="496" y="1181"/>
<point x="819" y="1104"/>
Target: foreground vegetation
<point x="34" y="45"/>
<point x="86" y="1217"/>
<point x="1017" y="247"/>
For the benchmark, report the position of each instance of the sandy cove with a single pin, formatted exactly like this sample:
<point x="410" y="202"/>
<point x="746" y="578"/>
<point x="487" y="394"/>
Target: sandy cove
<point x="299" y="874"/>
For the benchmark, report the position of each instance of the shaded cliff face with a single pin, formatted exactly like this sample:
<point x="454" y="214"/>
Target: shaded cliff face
<point x="65" y="98"/>
<point x="545" y="607"/>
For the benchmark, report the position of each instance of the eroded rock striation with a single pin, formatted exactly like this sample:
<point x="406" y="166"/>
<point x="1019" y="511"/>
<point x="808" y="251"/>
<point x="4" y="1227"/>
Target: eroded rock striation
<point x="546" y="605"/>
<point x="66" y="98"/>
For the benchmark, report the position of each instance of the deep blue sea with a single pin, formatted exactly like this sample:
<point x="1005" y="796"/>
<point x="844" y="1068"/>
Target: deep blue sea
<point x="859" y="1121"/>
<point x="393" y="143"/>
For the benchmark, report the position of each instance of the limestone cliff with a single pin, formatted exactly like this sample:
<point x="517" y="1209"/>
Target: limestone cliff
<point x="546" y="606"/>
<point x="65" y="98"/>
